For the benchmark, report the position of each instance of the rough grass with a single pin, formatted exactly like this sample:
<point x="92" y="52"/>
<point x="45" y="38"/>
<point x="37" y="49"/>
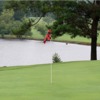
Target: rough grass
<point x="71" y="81"/>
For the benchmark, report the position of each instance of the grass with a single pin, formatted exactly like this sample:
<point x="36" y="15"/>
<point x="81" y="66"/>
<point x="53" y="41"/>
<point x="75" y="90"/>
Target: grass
<point x="71" y="81"/>
<point x="65" y="38"/>
<point x="36" y="34"/>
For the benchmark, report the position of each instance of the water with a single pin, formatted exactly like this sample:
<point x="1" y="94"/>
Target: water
<point x="30" y="52"/>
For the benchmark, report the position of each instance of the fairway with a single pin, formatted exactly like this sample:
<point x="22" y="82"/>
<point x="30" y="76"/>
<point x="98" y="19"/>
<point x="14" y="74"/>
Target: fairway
<point x="71" y="81"/>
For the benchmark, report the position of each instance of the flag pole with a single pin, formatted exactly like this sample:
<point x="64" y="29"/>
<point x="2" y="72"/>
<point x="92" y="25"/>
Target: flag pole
<point x="51" y="75"/>
<point x="49" y="36"/>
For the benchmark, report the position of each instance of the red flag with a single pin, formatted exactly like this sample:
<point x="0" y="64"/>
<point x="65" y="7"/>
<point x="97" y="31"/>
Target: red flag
<point x="48" y="36"/>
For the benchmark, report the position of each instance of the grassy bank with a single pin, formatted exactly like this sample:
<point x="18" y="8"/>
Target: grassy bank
<point x="65" y="38"/>
<point x="71" y="81"/>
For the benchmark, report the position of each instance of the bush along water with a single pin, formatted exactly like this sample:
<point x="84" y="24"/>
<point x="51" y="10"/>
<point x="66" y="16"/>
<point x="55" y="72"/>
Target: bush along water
<point x="56" y="58"/>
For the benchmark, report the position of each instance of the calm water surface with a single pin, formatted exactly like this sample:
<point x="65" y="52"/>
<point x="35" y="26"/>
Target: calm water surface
<point x="29" y="52"/>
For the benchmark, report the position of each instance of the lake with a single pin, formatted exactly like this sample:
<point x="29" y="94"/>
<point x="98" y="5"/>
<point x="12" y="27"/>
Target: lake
<point x="30" y="52"/>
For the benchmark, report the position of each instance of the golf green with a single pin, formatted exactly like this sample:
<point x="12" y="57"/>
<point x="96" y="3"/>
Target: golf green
<point x="71" y="81"/>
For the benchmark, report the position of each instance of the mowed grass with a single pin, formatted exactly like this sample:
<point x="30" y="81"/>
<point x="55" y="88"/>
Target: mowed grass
<point x="65" y="38"/>
<point x="71" y="81"/>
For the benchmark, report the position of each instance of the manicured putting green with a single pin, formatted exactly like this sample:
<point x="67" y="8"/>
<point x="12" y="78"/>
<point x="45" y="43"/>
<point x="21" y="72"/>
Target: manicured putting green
<point x="71" y="81"/>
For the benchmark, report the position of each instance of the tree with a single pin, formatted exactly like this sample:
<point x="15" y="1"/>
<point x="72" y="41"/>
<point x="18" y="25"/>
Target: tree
<point x="77" y="18"/>
<point x="22" y="28"/>
<point x="6" y="20"/>
<point x="32" y="8"/>
<point x="35" y="8"/>
<point x="8" y="25"/>
<point x="41" y="26"/>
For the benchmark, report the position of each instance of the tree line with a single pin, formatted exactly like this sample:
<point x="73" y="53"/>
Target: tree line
<point x="18" y="18"/>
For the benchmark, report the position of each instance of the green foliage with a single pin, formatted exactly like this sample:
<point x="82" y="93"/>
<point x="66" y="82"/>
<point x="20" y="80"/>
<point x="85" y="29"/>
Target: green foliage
<point x="41" y="27"/>
<point x="23" y="28"/>
<point x="28" y="8"/>
<point x="43" y="24"/>
<point x="77" y="18"/>
<point x="8" y="25"/>
<point x="34" y="7"/>
<point x="71" y="18"/>
<point x="6" y="22"/>
<point x="56" y="58"/>
<point x="21" y="8"/>
<point x="49" y="18"/>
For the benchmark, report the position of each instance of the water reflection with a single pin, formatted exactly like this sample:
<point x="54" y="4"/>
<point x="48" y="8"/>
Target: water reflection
<point x="29" y="52"/>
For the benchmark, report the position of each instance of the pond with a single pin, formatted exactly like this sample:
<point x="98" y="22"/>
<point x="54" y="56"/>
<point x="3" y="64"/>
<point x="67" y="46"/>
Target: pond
<point x="30" y="52"/>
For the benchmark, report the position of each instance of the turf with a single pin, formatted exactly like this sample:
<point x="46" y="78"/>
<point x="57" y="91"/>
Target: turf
<point x="71" y="81"/>
<point x="65" y="37"/>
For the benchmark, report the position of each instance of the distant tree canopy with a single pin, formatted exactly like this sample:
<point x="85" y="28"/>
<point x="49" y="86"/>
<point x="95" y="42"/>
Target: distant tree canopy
<point x="29" y="9"/>
<point x="43" y="24"/>
<point x="36" y="8"/>
<point x="6" y="22"/>
<point x="23" y="28"/>
<point x="8" y="25"/>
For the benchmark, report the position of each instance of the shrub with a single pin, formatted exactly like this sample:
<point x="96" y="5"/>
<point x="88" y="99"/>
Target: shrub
<point x="56" y="58"/>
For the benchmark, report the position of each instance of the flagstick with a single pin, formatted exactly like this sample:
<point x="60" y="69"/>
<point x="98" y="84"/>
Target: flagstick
<point x="51" y="72"/>
<point x="51" y="80"/>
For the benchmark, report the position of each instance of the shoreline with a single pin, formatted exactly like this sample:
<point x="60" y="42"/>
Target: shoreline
<point x="73" y="42"/>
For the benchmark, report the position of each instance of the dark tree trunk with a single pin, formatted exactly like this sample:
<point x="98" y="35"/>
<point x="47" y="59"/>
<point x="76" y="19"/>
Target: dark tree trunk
<point x="94" y="48"/>
<point x="94" y="39"/>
